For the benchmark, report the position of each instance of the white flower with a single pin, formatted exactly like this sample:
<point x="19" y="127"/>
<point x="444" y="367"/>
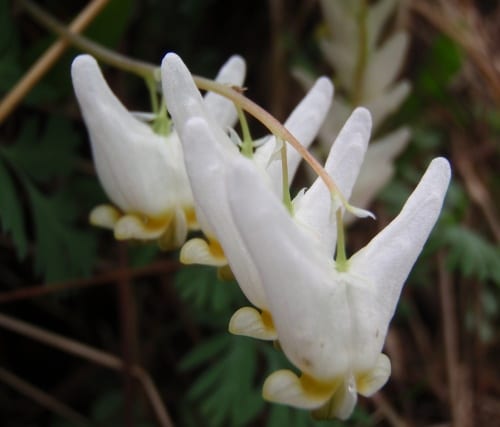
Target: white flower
<point x="366" y="70"/>
<point x="141" y="171"/>
<point x="331" y="323"/>
<point x="184" y="103"/>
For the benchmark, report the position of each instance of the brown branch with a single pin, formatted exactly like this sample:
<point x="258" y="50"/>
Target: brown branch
<point x="449" y="19"/>
<point x="388" y="411"/>
<point x="127" y="320"/>
<point x="47" y="60"/>
<point x="459" y="389"/>
<point x="103" y="279"/>
<point x="476" y="190"/>
<point x="94" y="355"/>
<point x="42" y="398"/>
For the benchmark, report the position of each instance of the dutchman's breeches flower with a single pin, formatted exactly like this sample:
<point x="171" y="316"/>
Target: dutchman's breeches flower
<point x="205" y="164"/>
<point x="331" y="318"/>
<point x="141" y="171"/>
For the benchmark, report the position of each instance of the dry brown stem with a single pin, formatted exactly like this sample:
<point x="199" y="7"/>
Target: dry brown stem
<point x="47" y="60"/>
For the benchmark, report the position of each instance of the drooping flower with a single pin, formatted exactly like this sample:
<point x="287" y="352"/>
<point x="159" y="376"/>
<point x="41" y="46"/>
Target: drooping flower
<point x="184" y="103"/>
<point x="331" y="319"/>
<point x="141" y="171"/>
<point x="331" y="324"/>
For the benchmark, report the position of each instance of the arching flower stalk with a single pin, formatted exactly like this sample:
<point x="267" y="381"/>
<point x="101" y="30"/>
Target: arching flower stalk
<point x="184" y="101"/>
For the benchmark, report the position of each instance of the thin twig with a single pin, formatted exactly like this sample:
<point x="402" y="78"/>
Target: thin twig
<point x="163" y="266"/>
<point x="461" y="406"/>
<point x="149" y="71"/>
<point x="388" y="411"/>
<point x="476" y="190"/>
<point x="126" y="309"/>
<point x="47" y="60"/>
<point x="42" y="398"/>
<point x="94" y="355"/>
<point x="467" y="38"/>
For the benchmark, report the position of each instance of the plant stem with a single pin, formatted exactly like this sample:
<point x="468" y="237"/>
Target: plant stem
<point x="141" y="68"/>
<point x="42" y="398"/>
<point x="247" y="146"/>
<point x="148" y="71"/>
<point x="361" y="60"/>
<point x="45" y="62"/>
<point x="341" y="258"/>
<point x="287" y="201"/>
<point x="94" y="355"/>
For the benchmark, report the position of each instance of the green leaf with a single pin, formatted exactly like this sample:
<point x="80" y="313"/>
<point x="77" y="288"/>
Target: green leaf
<point x="471" y="254"/>
<point x="10" y="69"/>
<point x="204" y="352"/>
<point x="11" y="212"/>
<point x="110" y="25"/>
<point x="62" y="251"/>
<point x="442" y="63"/>
<point x="46" y="157"/>
<point x="226" y="392"/>
<point x="200" y="286"/>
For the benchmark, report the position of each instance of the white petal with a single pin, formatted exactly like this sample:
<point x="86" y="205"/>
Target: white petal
<point x="131" y="160"/>
<point x="387" y="260"/>
<point x="176" y="233"/>
<point x="343" y="165"/>
<point x="304" y="124"/>
<point x="132" y="227"/>
<point x="378" y="167"/>
<point x="232" y="73"/>
<point x="341" y="58"/>
<point x="340" y="17"/>
<point x="104" y="216"/>
<point x="385" y="65"/>
<point x="341" y="404"/>
<point x="184" y="99"/>
<point x="336" y="119"/>
<point x="385" y="104"/>
<point x="285" y="387"/>
<point x="372" y="381"/>
<point x="198" y="251"/>
<point x="205" y="164"/>
<point x="378" y="14"/>
<point x="250" y="322"/>
<point x="309" y="307"/>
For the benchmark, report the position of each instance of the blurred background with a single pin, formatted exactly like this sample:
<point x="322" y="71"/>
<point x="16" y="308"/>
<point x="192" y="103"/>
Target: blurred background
<point x="104" y="333"/>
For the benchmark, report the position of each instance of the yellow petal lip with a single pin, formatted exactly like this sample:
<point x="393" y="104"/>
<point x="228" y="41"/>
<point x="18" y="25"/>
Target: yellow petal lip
<point x="132" y="226"/>
<point x="286" y="387"/>
<point x="105" y="216"/>
<point x="199" y="251"/>
<point x="370" y="382"/>
<point x="250" y="322"/>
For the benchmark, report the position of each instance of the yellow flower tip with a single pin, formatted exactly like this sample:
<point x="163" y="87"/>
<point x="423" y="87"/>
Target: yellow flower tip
<point x="370" y="382"/>
<point x="131" y="226"/>
<point x="105" y="216"/>
<point x="199" y="251"/>
<point x="191" y="219"/>
<point x="225" y="273"/>
<point x="248" y="321"/>
<point x="285" y="387"/>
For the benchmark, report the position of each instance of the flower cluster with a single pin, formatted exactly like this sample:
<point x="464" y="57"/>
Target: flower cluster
<point x="366" y="63"/>
<point x="330" y="314"/>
